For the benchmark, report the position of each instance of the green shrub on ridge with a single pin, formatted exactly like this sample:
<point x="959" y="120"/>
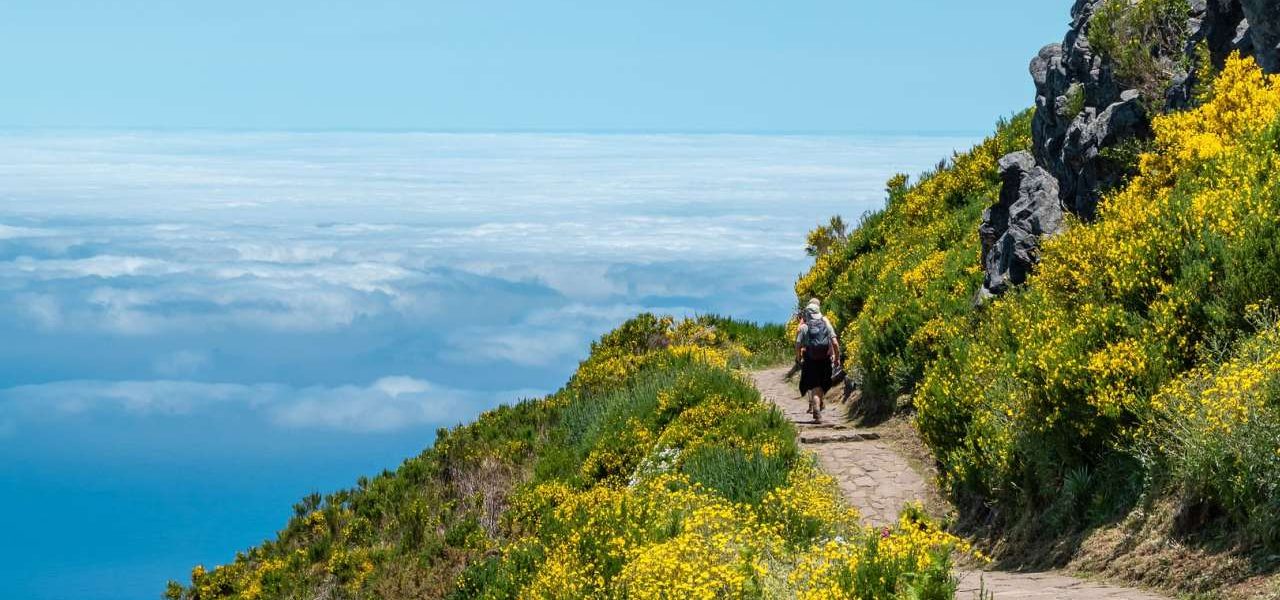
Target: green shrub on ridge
<point x="902" y="280"/>
<point x="657" y="472"/>
<point x="1101" y="379"/>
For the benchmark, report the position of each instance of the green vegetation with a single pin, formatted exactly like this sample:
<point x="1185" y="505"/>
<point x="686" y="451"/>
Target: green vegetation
<point x="826" y="237"/>
<point x="1075" y="100"/>
<point x="1216" y="435"/>
<point x="1139" y="360"/>
<point x="1123" y="159"/>
<point x="657" y="472"/>
<point x="901" y="280"/>
<point x="1139" y="38"/>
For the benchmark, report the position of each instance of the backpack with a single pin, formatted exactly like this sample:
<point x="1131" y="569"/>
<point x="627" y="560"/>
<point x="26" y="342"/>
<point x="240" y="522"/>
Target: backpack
<point x="817" y="340"/>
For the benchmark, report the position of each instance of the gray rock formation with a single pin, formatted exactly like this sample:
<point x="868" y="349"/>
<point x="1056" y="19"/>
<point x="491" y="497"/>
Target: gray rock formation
<point x="1082" y="109"/>
<point x="1221" y="25"/>
<point x="1011" y="229"/>
<point x="1264" y="30"/>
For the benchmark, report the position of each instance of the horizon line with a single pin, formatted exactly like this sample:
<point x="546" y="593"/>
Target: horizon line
<point x="8" y="129"/>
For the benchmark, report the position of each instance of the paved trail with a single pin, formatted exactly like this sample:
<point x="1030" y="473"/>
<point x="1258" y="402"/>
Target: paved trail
<point x="877" y="480"/>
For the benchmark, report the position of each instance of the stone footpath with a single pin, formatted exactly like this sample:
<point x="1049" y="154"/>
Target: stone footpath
<point x="878" y="480"/>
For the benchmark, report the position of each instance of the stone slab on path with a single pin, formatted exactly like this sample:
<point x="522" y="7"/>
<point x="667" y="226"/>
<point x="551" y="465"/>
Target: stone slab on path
<point x="839" y="436"/>
<point x="1047" y="585"/>
<point x="878" y="480"/>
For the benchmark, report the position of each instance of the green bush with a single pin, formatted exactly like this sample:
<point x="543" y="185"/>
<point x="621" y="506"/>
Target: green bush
<point x="1143" y="41"/>
<point x="1075" y="100"/>
<point x="904" y="278"/>
<point x="766" y="342"/>
<point x="736" y="474"/>
<point x="1216" y="434"/>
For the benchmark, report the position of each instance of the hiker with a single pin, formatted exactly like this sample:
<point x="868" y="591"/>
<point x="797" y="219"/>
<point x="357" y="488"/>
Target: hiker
<point x="817" y="349"/>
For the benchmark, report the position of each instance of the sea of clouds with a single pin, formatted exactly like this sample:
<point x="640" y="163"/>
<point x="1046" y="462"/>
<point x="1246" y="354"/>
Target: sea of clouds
<point x="376" y="281"/>
<point x="200" y="328"/>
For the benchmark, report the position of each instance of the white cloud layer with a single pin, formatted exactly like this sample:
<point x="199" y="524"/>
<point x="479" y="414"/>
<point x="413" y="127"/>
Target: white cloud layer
<point x="136" y="266"/>
<point x="387" y="404"/>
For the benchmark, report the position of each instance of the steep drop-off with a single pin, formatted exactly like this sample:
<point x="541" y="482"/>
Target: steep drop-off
<point x="657" y="472"/>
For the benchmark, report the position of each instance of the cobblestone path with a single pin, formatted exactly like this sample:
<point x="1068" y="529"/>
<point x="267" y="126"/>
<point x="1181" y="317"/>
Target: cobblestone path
<point x="877" y="480"/>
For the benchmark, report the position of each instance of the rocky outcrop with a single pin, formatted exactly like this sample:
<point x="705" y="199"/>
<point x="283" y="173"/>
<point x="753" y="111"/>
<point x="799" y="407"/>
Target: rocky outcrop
<point x="1011" y="230"/>
<point x="1222" y="27"/>
<point x="1263" y="24"/>
<point x="1079" y="108"/>
<point x="1082" y="109"/>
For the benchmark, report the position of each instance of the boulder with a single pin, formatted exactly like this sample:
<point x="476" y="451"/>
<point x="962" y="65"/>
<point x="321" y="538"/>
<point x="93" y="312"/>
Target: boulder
<point x="1263" y="17"/>
<point x="1011" y="230"/>
<point x="1082" y="109"/>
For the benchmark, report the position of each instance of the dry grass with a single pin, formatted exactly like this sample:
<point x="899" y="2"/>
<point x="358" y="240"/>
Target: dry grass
<point x="1147" y="548"/>
<point x="487" y="484"/>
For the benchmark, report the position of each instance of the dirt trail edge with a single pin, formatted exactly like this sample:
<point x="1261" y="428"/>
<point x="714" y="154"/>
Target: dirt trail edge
<point x="877" y="480"/>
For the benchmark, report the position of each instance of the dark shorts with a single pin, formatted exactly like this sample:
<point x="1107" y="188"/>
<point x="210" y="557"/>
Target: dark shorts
<point x="815" y="373"/>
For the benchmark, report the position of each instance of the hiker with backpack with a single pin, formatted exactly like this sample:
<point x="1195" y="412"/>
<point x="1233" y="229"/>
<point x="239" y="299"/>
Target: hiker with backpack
<point x="817" y="349"/>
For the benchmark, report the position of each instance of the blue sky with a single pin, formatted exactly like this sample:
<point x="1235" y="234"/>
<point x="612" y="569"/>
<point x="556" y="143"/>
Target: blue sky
<point x="664" y="65"/>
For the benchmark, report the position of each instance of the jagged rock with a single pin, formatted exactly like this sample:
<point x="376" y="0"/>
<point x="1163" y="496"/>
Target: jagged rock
<point x="1082" y="109"/>
<point x="1221" y="25"/>
<point x="1264" y="31"/>
<point x="1242" y="38"/>
<point x="1028" y="210"/>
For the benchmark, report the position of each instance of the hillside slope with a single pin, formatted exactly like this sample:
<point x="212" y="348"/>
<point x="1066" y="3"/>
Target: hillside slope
<point x="657" y="472"/>
<point x="1133" y="373"/>
<point x="1081" y="313"/>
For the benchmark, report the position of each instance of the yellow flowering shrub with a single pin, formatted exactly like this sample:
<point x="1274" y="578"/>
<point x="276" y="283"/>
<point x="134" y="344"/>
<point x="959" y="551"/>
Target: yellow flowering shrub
<point x="1218" y="400"/>
<point x="722" y="551"/>
<point x="1217" y="431"/>
<point x="906" y="275"/>
<point x="868" y="566"/>
<point x="614" y="462"/>
<point x="671" y="538"/>
<point x="711" y="356"/>
<point x="808" y="506"/>
<point x="604" y="371"/>
<point x="349" y="569"/>
<point x="647" y="338"/>
<point x="1061" y="375"/>
<point x="664" y="534"/>
<point x="696" y="426"/>
<point x="689" y="486"/>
